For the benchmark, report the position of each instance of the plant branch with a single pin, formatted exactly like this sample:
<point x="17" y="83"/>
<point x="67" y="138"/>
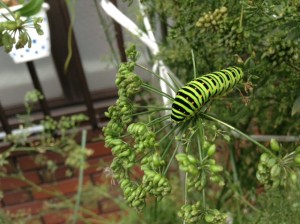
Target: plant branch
<point x="265" y="149"/>
<point x="80" y="179"/>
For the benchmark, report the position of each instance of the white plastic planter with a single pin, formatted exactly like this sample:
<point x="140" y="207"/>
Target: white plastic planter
<point x="40" y="46"/>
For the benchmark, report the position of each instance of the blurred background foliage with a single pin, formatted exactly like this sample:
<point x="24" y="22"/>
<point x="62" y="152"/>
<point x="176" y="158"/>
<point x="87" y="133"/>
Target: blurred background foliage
<point x="261" y="36"/>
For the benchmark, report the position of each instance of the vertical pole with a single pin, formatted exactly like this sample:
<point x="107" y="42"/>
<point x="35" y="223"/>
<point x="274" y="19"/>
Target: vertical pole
<point x="4" y="121"/>
<point x="119" y="36"/>
<point x="37" y="85"/>
<point x="163" y="28"/>
<point x="74" y="78"/>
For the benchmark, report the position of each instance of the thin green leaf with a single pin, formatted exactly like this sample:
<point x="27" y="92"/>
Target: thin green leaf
<point x="296" y="106"/>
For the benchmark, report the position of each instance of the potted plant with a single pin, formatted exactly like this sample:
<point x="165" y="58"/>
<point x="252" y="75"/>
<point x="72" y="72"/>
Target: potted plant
<point x="19" y="39"/>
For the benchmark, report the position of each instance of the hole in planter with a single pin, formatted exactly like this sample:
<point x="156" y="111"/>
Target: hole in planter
<point x="34" y="41"/>
<point x="36" y="52"/>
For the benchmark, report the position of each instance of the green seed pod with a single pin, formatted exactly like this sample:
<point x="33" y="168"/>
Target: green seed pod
<point x="194" y="212"/>
<point x="275" y="171"/>
<point x="276" y="184"/>
<point x="297" y="159"/>
<point x="261" y="167"/>
<point x="180" y="157"/>
<point x="216" y="168"/>
<point x="211" y="161"/>
<point x="264" y="157"/>
<point x="211" y="150"/>
<point x="156" y="160"/>
<point x="136" y="203"/>
<point x="149" y="173"/>
<point x="297" y="150"/>
<point x="130" y="198"/>
<point x="209" y="218"/>
<point x="156" y="178"/>
<point x="275" y="145"/>
<point x="192" y="159"/>
<point x="124" y="183"/>
<point x="271" y="162"/>
<point x="192" y="170"/>
<point x="223" y="9"/>
<point x="161" y="182"/>
<point x="293" y="177"/>
<point x="124" y="154"/>
<point x="142" y="194"/>
<point x="117" y="149"/>
<point x="127" y="191"/>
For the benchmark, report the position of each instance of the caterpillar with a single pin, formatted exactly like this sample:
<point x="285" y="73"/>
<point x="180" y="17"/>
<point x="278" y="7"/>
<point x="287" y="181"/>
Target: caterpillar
<point x="191" y="97"/>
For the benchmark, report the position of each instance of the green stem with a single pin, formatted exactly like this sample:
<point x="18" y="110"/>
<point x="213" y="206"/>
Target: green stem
<point x="159" y="92"/>
<point x="80" y="180"/>
<point x="71" y="5"/>
<point x="158" y="76"/>
<point x="153" y="107"/>
<point x="166" y="150"/>
<point x="236" y="183"/>
<point x="241" y="18"/>
<point x="171" y="159"/>
<point x="194" y="64"/>
<point x="249" y="204"/>
<point x="265" y="149"/>
<point x="200" y="140"/>
<point x="155" y="209"/>
<point x="162" y="128"/>
<point x="146" y="112"/>
<point x="158" y="120"/>
<point x="167" y="135"/>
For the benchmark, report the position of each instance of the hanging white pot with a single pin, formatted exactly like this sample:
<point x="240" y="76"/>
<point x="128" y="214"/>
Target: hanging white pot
<point x="40" y="46"/>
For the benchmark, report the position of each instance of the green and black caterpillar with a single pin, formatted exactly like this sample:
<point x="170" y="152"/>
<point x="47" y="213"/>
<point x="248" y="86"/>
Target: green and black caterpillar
<point x="190" y="98"/>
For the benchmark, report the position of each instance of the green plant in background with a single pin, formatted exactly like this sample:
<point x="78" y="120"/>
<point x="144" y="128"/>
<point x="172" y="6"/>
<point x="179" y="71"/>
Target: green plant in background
<point x="143" y="136"/>
<point x="262" y="37"/>
<point x="218" y="179"/>
<point x="16" y="24"/>
<point x="57" y="136"/>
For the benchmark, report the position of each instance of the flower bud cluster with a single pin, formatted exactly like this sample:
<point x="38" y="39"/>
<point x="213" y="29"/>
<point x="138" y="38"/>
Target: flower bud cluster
<point x="134" y="194"/>
<point x="195" y="213"/>
<point x="232" y="37"/>
<point x="121" y="112"/>
<point x="199" y="172"/>
<point x="156" y="184"/>
<point x="133" y="142"/>
<point x="128" y="83"/>
<point x="120" y="116"/>
<point x="153" y="162"/>
<point x="269" y="171"/>
<point x="282" y="51"/>
<point x="278" y="171"/>
<point x="123" y="151"/>
<point x="213" y="19"/>
<point x="144" y="138"/>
